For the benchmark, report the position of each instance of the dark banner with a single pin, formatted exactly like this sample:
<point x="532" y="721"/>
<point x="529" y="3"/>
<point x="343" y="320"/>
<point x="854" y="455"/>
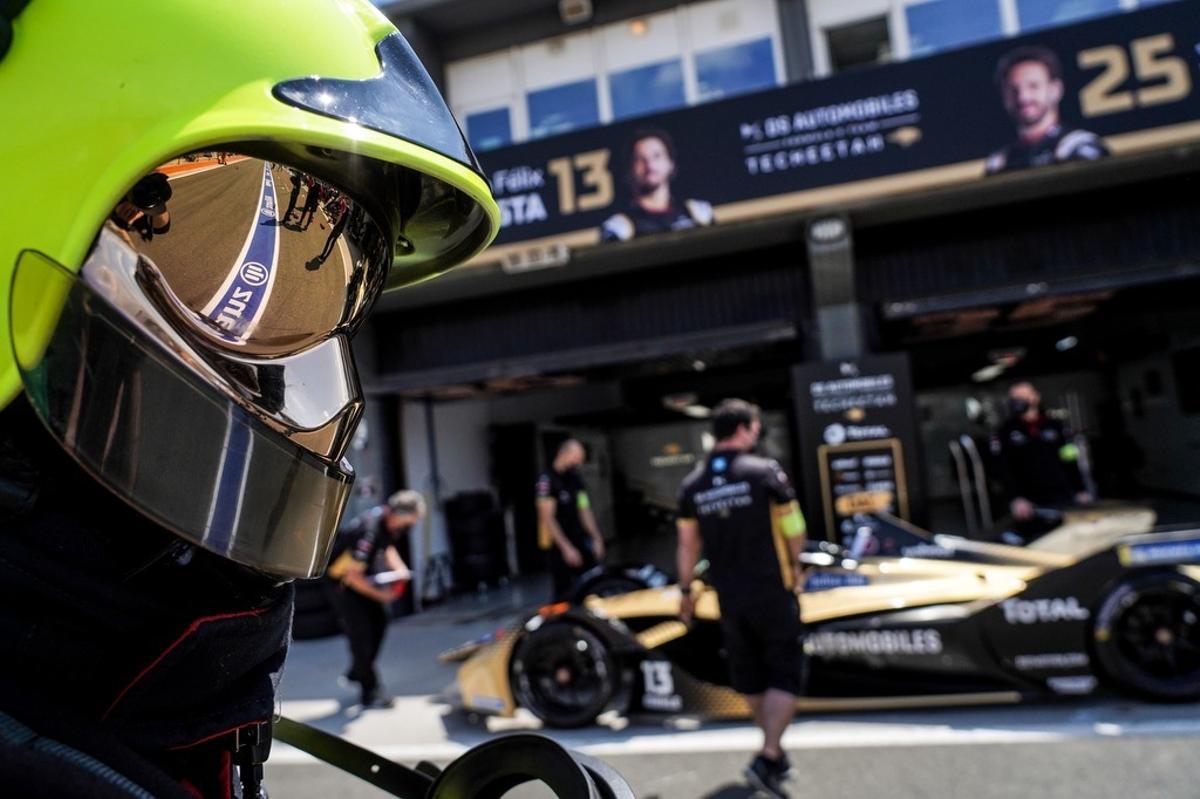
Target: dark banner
<point x="858" y="441"/>
<point x="1125" y="83"/>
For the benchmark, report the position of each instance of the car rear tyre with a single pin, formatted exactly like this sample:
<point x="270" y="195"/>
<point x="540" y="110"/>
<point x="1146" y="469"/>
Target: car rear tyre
<point x="564" y="674"/>
<point x="1146" y="637"/>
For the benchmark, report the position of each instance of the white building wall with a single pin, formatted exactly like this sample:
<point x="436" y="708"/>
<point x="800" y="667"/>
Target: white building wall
<point x="462" y="465"/>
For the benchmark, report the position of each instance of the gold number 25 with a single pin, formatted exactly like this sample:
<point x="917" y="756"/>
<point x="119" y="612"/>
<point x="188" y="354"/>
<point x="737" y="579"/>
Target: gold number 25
<point x="1153" y="61"/>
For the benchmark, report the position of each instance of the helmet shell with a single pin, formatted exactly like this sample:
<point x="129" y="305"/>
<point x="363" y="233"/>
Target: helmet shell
<point x="99" y="94"/>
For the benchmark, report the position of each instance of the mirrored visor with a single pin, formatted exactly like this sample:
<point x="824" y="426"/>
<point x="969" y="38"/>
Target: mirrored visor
<point x="265" y="259"/>
<point x="142" y="419"/>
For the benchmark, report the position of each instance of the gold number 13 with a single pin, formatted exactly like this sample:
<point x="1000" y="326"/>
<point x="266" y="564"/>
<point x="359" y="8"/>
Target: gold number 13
<point x="1153" y="60"/>
<point x="596" y="177"/>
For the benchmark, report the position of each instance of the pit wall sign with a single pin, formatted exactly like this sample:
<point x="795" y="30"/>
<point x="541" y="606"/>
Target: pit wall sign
<point x="1128" y="84"/>
<point x="858" y="441"/>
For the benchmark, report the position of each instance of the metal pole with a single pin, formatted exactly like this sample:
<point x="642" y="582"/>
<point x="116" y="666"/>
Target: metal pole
<point x="430" y="571"/>
<point x="981" y="484"/>
<point x="964" y="487"/>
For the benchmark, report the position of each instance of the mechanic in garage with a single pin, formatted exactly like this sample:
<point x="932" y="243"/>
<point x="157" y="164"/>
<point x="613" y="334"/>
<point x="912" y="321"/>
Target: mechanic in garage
<point x="362" y="602"/>
<point x="566" y="525"/>
<point x="1038" y="463"/>
<point x="740" y="511"/>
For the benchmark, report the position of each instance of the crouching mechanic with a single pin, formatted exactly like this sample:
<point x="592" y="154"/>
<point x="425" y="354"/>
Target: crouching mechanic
<point x="174" y="409"/>
<point x="741" y="512"/>
<point x="361" y="593"/>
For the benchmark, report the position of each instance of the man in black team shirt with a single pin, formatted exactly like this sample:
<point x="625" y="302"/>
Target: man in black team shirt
<point x="741" y="511"/>
<point x="359" y="594"/>
<point x="1030" y="82"/>
<point x="654" y="208"/>
<point x="566" y="525"/>
<point x="1038" y="462"/>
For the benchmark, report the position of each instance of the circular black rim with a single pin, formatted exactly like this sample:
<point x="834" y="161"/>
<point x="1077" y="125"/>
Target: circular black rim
<point x="1159" y="634"/>
<point x="565" y="673"/>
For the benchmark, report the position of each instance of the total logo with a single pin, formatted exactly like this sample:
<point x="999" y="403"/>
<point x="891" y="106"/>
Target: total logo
<point x="1035" y="611"/>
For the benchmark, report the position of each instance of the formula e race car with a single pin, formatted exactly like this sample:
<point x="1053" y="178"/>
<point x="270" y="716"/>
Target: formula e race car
<point x="941" y="621"/>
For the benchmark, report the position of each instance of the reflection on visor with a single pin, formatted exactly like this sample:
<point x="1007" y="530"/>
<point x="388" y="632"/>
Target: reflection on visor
<point x="137" y="412"/>
<point x="268" y="259"/>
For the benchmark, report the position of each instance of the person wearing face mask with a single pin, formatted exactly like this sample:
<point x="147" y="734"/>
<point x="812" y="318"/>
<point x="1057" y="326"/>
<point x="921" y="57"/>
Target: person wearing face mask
<point x="1038" y="463"/>
<point x="566" y="525"/>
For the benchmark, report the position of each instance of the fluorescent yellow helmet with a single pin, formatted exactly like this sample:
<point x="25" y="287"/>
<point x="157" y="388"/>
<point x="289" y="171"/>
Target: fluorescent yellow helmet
<point x="201" y="202"/>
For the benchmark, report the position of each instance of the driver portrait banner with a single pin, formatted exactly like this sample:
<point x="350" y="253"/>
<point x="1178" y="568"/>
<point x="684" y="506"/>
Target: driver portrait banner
<point x="1115" y="86"/>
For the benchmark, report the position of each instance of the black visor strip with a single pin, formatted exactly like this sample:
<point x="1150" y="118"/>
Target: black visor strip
<point x="400" y="101"/>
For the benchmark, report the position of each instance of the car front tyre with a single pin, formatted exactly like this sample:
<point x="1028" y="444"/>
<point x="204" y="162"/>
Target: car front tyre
<point x="1146" y="637"/>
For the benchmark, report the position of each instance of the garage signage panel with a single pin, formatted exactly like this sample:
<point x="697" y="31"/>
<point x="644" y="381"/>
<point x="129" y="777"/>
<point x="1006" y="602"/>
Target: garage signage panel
<point x="858" y="440"/>
<point x="1126" y="83"/>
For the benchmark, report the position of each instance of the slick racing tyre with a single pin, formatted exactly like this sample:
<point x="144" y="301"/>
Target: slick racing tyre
<point x="1146" y="637"/>
<point x="564" y="673"/>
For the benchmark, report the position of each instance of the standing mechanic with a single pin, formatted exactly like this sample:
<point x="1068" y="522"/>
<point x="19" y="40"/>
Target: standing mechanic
<point x="354" y="586"/>
<point x="566" y="525"/>
<point x="1038" y="462"/>
<point x="741" y="511"/>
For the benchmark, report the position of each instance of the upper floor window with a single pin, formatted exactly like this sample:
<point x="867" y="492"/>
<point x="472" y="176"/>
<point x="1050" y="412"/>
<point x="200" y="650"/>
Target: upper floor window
<point x="859" y="44"/>
<point x="738" y="69"/>
<point x="690" y="54"/>
<point x="846" y="33"/>
<point x="644" y="90"/>
<point x="559" y="109"/>
<point x="487" y="130"/>
<point x="946" y="24"/>
<point x="1036" y="14"/>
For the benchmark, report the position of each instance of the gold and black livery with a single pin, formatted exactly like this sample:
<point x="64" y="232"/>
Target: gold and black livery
<point x="1102" y="603"/>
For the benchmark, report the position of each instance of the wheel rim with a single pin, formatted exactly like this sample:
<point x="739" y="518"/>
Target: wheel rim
<point x="1159" y="635"/>
<point x="566" y="674"/>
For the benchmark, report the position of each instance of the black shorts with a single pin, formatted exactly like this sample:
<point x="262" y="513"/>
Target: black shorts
<point x="763" y="641"/>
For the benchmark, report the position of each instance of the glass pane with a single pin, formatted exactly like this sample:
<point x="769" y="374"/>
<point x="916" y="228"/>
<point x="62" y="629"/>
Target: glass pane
<point x="488" y="130"/>
<point x="735" y="70"/>
<point x="859" y="44"/>
<point x="562" y="108"/>
<point x="1036" y="14"/>
<point x="644" y="90"/>
<point x="943" y="24"/>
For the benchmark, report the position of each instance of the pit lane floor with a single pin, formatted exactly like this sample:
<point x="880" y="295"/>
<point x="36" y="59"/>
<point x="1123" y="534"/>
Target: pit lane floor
<point x="1097" y="748"/>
